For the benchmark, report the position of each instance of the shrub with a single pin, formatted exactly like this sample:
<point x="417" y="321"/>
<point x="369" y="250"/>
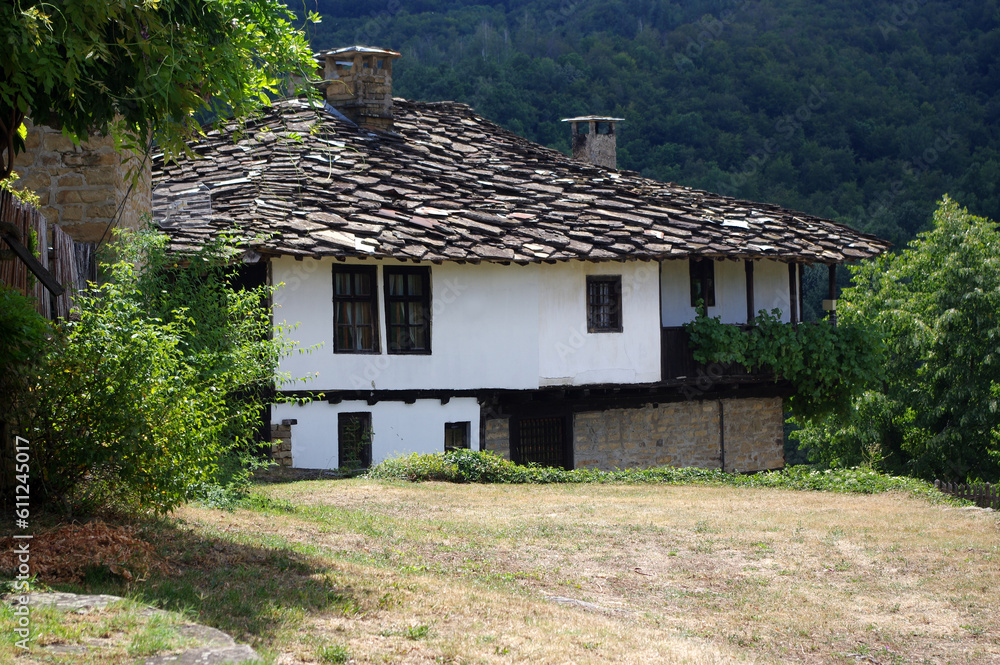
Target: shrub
<point x="156" y="383"/>
<point x="467" y="466"/>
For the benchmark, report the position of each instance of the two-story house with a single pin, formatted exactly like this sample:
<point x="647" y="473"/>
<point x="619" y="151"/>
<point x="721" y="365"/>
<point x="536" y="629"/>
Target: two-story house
<point x="469" y="288"/>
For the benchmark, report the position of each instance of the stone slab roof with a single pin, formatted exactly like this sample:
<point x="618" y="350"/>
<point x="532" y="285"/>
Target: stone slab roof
<point x="448" y="185"/>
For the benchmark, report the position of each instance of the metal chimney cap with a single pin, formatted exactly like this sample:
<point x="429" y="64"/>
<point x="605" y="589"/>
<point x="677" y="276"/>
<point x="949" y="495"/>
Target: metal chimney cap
<point x="367" y="50"/>
<point x="596" y="118"/>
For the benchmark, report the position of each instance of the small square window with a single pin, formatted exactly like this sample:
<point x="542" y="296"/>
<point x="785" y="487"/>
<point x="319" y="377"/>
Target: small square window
<point x="604" y="303"/>
<point x="456" y="436"/>
<point x="702" y="272"/>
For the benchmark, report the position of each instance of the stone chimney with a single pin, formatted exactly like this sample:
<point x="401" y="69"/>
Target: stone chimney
<point x="594" y="140"/>
<point x="358" y="82"/>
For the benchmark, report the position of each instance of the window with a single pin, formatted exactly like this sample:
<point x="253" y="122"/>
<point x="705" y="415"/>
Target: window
<point x="456" y="436"/>
<point x="355" y="307"/>
<point x="408" y="309"/>
<point x="702" y="276"/>
<point x="604" y="303"/>
<point x="354" y="440"/>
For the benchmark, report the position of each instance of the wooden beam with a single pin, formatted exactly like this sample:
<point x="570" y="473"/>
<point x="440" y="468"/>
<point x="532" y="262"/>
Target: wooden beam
<point x="36" y="268"/>
<point x="748" y="268"/>
<point x="833" y="293"/>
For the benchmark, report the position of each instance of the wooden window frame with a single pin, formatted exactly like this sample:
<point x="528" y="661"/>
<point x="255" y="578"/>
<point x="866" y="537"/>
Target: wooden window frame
<point x="365" y="450"/>
<point x="595" y="306"/>
<point x="465" y="428"/>
<point x="702" y="275"/>
<point x="371" y="300"/>
<point x="390" y="300"/>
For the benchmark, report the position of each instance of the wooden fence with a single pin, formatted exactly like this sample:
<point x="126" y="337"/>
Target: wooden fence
<point x="984" y="496"/>
<point x="32" y="230"/>
<point x="71" y="263"/>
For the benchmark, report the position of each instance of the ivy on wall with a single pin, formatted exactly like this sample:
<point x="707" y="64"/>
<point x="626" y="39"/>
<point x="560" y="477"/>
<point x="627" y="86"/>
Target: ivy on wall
<point x="826" y="364"/>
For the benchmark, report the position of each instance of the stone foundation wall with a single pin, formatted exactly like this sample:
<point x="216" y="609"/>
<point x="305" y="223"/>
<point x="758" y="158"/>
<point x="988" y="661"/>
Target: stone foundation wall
<point x="683" y="434"/>
<point x="754" y="434"/>
<point x="81" y="187"/>
<point x="497" y="439"/>
<point x="673" y="434"/>
<point x="281" y="444"/>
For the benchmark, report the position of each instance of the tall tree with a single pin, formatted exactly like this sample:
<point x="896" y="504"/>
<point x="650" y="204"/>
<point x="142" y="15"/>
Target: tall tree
<point x="88" y="66"/>
<point x="936" y="410"/>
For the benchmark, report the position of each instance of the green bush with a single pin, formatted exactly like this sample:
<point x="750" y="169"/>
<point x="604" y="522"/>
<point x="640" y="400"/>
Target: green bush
<point x="141" y="399"/>
<point x="826" y="365"/>
<point x="466" y="466"/>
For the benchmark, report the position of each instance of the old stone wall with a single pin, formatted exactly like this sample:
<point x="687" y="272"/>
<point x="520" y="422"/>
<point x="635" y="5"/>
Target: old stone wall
<point x="281" y="444"/>
<point x="82" y="187"/>
<point x="673" y="434"/>
<point x="497" y="439"/>
<point x="683" y="434"/>
<point x="754" y="434"/>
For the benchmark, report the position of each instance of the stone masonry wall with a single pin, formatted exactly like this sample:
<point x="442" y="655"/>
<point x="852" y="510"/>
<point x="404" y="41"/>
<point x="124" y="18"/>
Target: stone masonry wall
<point x="682" y="434"/>
<point x="82" y="186"/>
<point x="673" y="434"/>
<point x="281" y="444"/>
<point x="754" y="433"/>
<point x="497" y="439"/>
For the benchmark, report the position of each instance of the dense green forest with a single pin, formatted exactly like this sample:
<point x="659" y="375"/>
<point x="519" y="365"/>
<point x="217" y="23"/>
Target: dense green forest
<point x="863" y="112"/>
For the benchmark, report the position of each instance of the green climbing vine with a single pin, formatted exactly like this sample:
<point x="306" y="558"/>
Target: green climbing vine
<point x="825" y="364"/>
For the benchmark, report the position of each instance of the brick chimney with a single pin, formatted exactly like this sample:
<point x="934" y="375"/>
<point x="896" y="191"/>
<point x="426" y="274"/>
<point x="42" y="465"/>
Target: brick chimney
<point x="594" y="140"/>
<point x="358" y="82"/>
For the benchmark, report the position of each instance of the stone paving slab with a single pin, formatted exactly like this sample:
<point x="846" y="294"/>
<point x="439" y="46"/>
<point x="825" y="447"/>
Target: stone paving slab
<point x="214" y="647"/>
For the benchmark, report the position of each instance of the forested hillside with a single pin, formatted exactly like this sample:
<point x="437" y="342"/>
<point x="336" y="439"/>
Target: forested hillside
<point x="864" y="112"/>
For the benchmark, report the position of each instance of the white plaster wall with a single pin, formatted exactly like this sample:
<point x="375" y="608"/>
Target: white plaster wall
<point x="397" y="428"/>
<point x="569" y="355"/>
<point x="770" y="291"/>
<point x="730" y="292"/>
<point x="484" y="330"/>
<point x="771" y="287"/>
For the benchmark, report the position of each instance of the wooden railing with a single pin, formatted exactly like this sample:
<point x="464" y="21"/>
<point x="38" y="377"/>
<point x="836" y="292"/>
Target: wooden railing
<point x="983" y="495"/>
<point x="679" y="366"/>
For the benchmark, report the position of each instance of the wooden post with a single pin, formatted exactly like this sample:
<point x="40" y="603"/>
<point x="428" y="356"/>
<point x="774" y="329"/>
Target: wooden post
<point x="703" y="276"/>
<point x="748" y="268"/>
<point x="793" y="294"/>
<point x="833" y="292"/>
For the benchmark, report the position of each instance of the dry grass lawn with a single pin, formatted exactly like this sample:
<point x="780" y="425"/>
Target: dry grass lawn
<point x="380" y="572"/>
<point x="469" y="573"/>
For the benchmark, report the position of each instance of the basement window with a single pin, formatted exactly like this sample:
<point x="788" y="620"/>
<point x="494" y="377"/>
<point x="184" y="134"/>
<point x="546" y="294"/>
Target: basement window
<point x="355" y="310"/>
<point x="604" y="303"/>
<point x="354" y="440"/>
<point x="408" y="310"/>
<point x="702" y="272"/>
<point x="456" y="436"/>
